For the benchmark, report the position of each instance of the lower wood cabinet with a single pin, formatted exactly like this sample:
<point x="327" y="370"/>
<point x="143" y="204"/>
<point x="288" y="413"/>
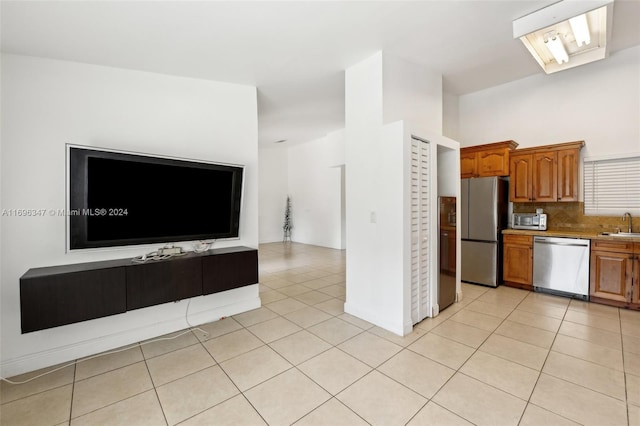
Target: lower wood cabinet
<point x="60" y="295"/>
<point x="517" y="268"/>
<point x="615" y="273"/>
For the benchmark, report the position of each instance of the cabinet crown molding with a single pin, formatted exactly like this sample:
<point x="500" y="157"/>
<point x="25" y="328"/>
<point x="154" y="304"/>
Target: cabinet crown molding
<point x="554" y="147"/>
<point x="511" y="145"/>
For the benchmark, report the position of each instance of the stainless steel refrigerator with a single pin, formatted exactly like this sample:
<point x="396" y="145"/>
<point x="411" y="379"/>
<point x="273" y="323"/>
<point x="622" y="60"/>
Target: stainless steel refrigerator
<point x="484" y="203"/>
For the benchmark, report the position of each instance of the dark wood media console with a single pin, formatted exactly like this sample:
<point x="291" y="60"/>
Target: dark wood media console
<point x="60" y="295"/>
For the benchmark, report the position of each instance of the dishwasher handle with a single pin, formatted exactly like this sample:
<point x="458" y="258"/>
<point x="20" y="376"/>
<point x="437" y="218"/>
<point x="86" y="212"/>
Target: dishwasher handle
<point x="557" y="243"/>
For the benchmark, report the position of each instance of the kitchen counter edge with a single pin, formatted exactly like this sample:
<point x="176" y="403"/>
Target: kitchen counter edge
<point x="587" y="235"/>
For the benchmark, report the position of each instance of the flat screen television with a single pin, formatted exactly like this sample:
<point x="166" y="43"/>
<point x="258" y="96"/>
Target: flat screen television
<point x="119" y="198"/>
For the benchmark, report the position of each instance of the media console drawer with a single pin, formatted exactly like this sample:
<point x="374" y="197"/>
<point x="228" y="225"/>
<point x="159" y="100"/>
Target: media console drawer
<point x="227" y="271"/>
<point x="63" y="298"/>
<point x="60" y="295"/>
<point x="154" y="283"/>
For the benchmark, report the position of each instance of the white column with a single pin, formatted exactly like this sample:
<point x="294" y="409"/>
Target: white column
<point x="387" y="99"/>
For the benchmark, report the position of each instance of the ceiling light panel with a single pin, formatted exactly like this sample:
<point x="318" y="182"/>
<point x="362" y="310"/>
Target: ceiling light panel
<point x="568" y="19"/>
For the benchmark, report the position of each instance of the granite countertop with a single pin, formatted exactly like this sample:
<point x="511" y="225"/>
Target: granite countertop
<point x="591" y="235"/>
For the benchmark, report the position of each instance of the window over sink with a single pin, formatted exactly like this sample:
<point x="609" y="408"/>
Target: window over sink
<point x="612" y="185"/>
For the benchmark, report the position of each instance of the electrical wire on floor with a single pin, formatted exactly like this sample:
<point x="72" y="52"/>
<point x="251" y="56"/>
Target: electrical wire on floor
<point x="126" y="348"/>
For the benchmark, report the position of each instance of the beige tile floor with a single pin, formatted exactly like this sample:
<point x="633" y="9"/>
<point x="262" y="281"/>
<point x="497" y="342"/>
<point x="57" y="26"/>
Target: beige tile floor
<point x="501" y="357"/>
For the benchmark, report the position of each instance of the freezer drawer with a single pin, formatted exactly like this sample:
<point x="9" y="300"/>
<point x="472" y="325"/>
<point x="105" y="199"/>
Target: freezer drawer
<point x="480" y="262"/>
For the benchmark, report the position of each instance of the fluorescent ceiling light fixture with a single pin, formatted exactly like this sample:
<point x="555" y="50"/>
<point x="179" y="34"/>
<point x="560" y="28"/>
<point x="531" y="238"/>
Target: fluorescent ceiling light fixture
<point x="581" y="28"/>
<point x="555" y="46"/>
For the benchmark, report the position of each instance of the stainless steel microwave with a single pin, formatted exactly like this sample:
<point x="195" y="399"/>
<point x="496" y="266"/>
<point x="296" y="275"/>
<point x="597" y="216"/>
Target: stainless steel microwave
<point x="534" y="221"/>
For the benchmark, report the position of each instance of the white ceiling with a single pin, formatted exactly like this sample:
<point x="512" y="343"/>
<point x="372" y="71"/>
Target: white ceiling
<point x="295" y="52"/>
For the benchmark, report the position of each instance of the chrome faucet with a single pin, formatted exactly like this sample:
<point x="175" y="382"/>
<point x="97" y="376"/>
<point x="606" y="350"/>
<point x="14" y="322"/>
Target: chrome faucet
<point x="624" y="217"/>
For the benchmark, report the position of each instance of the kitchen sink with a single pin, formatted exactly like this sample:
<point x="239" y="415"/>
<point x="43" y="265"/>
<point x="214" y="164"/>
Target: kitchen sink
<point x="621" y="234"/>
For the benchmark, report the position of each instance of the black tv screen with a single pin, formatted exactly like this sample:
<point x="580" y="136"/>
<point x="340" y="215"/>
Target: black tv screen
<point x="118" y="198"/>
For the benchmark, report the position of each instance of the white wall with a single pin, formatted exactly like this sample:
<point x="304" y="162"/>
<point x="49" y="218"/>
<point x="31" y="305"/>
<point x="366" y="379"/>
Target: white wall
<point x="412" y="94"/>
<point x="273" y="190"/>
<point x="314" y="182"/>
<point x="450" y="115"/>
<point x="598" y="103"/>
<point x="311" y="173"/>
<point x="377" y="183"/>
<point x="46" y="104"/>
<point x="448" y="164"/>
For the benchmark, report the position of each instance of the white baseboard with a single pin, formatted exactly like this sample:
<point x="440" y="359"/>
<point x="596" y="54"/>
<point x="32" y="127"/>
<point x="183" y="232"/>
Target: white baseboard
<point x="400" y="329"/>
<point x="69" y="353"/>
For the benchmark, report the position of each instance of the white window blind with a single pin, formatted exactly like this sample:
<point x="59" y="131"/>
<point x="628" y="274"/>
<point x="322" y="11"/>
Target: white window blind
<point x="612" y="186"/>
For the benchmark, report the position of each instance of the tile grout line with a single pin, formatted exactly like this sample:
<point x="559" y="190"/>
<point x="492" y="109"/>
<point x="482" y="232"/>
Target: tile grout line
<point x="624" y="370"/>
<point x="576" y="384"/>
<point x="155" y="391"/>
<point x="73" y="390"/>
<point x="542" y="368"/>
<point x="234" y="384"/>
<point x="457" y="371"/>
<point x="296" y="367"/>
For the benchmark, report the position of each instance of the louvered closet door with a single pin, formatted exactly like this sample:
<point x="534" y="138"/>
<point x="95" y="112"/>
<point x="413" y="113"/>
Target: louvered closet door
<point x="420" y="297"/>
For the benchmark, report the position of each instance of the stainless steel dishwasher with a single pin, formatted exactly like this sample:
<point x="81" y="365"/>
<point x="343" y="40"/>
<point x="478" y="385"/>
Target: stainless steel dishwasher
<point x="561" y="266"/>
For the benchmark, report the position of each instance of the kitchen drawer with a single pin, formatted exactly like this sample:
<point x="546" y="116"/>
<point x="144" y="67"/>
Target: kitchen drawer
<point x="519" y="239"/>
<point x="614" y="246"/>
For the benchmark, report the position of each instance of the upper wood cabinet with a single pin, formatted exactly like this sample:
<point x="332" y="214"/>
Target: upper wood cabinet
<point x="546" y="173"/>
<point x="520" y="184"/>
<point x="568" y="163"/>
<point x="486" y="160"/>
<point x="545" y="176"/>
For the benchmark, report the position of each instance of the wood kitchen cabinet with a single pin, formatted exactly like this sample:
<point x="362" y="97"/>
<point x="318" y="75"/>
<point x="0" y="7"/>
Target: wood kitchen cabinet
<point x="615" y="272"/>
<point x="520" y="184"/>
<point x="543" y="174"/>
<point x="486" y="160"/>
<point x="568" y="163"/>
<point x="517" y="269"/>
<point x="468" y="163"/>
<point x="635" y="293"/>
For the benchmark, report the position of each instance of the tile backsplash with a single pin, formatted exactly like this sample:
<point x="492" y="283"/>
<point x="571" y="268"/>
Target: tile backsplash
<point x="570" y="217"/>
